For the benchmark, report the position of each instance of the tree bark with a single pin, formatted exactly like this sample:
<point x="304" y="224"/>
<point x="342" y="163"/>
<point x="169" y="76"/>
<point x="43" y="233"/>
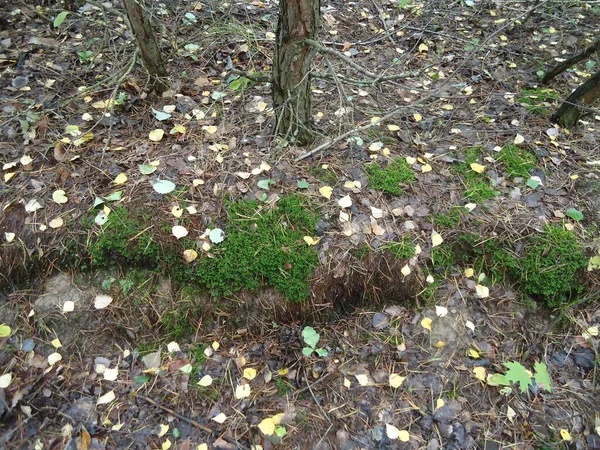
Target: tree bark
<point x="292" y="63"/>
<point x="570" y="111"/>
<point x="142" y="30"/>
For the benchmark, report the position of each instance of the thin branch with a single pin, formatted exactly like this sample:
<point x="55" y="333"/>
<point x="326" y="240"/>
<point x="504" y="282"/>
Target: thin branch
<point x="560" y="68"/>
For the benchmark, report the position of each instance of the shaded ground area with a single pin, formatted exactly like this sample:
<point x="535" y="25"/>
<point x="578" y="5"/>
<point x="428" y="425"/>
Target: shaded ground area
<point x="145" y="273"/>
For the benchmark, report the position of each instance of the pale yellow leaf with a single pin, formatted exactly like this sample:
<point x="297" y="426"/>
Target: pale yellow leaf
<point x="156" y="135"/>
<point x="418" y="117"/>
<point x="57" y="222"/>
<point x="405" y="270"/>
<point x="393" y="127"/>
<point x="345" y="202"/>
<point x="68" y="306"/>
<point x="475" y="167"/>
<point x="362" y="379"/>
<point x="565" y="435"/>
<point x="56" y="343"/>
<point x="5" y="380"/>
<point x="482" y="291"/>
<point x="220" y="418"/>
<point x="189" y="255"/>
<point x="242" y="391"/>
<point x="205" y="381"/>
<point x="480" y="373"/>
<point x="326" y="191"/>
<point x="423" y="48"/>
<point x="267" y="426"/>
<point x="519" y="139"/>
<point x="177" y="211"/>
<point x="106" y="398"/>
<point x="426" y="323"/>
<point x="310" y="241"/>
<point x="120" y="179"/>
<point x="59" y="196"/>
<point x="436" y="239"/>
<point x="166" y="445"/>
<point x="249" y="373"/>
<point x="396" y="380"/>
<point x="426" y="168"/>
<point x="179" y="231"/>
<point x="469" y="272"/>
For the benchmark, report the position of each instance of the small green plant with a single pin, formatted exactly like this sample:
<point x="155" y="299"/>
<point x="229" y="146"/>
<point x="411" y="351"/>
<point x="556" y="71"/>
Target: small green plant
<point x="85" y="56"/>
<point x="521" y="377"/>
<point x="283" y="388"/>
<point x="448" y="220"/>
<point x="397" y="173"/>
<point x="311" y="338"/>
<point x="401" y="250"/>
<point x="538" y="101"/>
<point x="361" y="252"/>
<point x="517" y="161"/>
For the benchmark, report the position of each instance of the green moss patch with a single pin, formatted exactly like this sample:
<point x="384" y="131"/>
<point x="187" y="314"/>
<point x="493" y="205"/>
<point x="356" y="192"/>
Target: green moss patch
<point x="390" y="178"/>
<point x="538" y="101"/>
<point x="517" y="161"/>
<point x="548" y="268"/>
<point x="477" y="185"/>
<point x="263" y="245"/>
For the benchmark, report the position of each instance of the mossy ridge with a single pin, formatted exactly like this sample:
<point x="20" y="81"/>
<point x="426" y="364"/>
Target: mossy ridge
<point x="547" y="268"/>
<point x="263" y="246"/>
<point x="389" y="179"/>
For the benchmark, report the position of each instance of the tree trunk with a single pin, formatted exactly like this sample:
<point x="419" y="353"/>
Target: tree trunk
<point x="142" y="30"/>
<point x="570" y="111"/>
<point x="298" y="20"/>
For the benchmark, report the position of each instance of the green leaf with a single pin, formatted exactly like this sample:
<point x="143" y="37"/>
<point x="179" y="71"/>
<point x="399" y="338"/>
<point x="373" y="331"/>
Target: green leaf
<point x="239" y="84"/>
<point x="265" y="184"/>
<point x="542" y="378"/>
<point x="322" y="352"/>
<point x="310" y="336"/>
<point x="533" y="183"/>
<point x="218" y="95"/>
<point x="141" y="379"/>
<point x="161" y="115"/>
<point x="303" y="184"/>
<point x="575" y="214"/>
<point x="58" y="20"/>
<point x="114" y="197"/>
<point x="280" y="431"/>
<point x="146" y="169"/>
<point x="518" y="374"/>
<point x="307" y="351"/>
<point x="163" y="186"/>
<point x="176" y="432"/>
<point x="4" y="331"/>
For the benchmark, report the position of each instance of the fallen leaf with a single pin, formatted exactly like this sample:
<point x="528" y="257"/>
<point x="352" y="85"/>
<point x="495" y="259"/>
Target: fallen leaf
<point x="111" y="374"/>
<point x="163" y="186"/>
<point x="5" y="331"/>
<point x="436" y="239"/>
<point x="57" y="222"/>
<point x="362" y="379"/>
<point x="310" y="241"/>
<point x="519" y="139"/>
<point x="482" y="291"/>
<point x="396" y="380"/>
<point x="441" y="311"/>
<point x="189" y="255"/>
<point x="267" y="426"/>
<point x="56" y="343"/>
<point x="102" y="301"/>
<point x="205" y="381"/>
<point x="156" y="135"/>
<point x="426" y="323"/>
<point x="5" y="380"/>
<point x="242" y="391"/>
<point x="565" y="435"/>
<point x="345" y="202"/>
<point x="220" y="418"/>
<point x="393" y="127"/>
<point x="53" y="358"/>
<point x="9" y="236"/>
<point x="106" y="398"/>
<point x="59" y="197"/>
<point x="405" y="270"/>
<point x="68" y="306"/>
<point x="475" y="167"/>
<point x="120" y="179"/>
<point x="249" y="373"/>
<point x="480" y="373"/>
<point x="179" y="231"/>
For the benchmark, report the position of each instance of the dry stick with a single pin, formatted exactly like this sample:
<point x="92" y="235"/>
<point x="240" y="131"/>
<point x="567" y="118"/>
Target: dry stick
<point x="420" y="101"/>
<point x="176" y="414"/>
<point x="557" y="70"/>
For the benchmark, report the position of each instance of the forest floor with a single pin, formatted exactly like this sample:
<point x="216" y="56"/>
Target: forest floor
<point x="174" y="276"/>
